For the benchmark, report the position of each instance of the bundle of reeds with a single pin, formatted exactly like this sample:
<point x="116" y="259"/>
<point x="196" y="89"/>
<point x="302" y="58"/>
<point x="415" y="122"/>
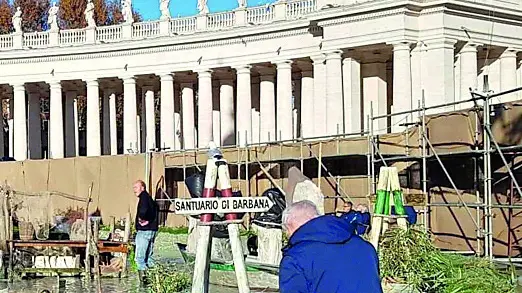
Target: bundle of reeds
<point x="409" y="257"/>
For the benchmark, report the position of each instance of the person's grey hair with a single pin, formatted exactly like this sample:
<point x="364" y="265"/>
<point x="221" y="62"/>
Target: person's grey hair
<point x="304" y="208"/>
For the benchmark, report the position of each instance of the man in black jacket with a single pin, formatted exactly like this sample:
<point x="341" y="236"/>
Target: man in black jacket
<point x="146" y="227"/>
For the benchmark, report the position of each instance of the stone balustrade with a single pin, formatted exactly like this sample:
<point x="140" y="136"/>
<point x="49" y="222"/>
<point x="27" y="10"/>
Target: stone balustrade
<point x="279" y="11"/>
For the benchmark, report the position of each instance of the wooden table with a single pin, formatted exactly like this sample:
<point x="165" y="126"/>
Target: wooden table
<point x="103" y="246"/>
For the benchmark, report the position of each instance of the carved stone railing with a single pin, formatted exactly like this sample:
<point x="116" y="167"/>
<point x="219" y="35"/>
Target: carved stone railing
<point x="73" y="37"/>
<point x="279" y="11"/>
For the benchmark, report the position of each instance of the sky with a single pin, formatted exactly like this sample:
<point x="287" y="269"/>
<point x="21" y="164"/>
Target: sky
<point x="149" y="9"/>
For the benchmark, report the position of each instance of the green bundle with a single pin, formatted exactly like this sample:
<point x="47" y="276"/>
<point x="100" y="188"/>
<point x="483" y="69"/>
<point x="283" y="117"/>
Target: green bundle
<point x="409" y="257"/>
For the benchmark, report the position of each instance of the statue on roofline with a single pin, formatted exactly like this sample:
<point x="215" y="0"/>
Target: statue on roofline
<point x="17" y="20"/>
<point x="164" y="8"/>
<point x="89" y="14"/>
<point x="52" y="19"/>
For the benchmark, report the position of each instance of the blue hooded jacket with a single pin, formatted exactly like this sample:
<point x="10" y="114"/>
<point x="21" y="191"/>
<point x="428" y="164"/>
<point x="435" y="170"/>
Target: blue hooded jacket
<point x="325" y="256"/>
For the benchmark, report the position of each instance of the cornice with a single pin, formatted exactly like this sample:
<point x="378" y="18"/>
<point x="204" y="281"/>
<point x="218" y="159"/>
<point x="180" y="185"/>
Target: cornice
<point x="363" y="16"/>
<point x="188" y="42"/>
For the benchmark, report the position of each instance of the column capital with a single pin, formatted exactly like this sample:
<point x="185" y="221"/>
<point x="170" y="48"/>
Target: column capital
<point x="166" y="76"/>
<point x="243" y="69"/>
<point x="509" y="53"/>
<point x="129" y="79"/>
<point x="18" y="86"/>
<point x="202" y="73"/>
<point x="348" y="60"/>
<point x="440" y="43"/>
<point x="470" y="47"/>
<point x="55" y="83"/>
<point x="318" y="58"/>
<point x="92" y="82"/>
<point x="334" y="54"/>
<point x="283" y="64"/>
<point x="401" y="46"/>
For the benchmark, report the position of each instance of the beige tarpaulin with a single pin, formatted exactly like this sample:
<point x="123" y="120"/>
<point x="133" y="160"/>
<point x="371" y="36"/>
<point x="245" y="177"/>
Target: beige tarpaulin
<point x="110" y="176"/>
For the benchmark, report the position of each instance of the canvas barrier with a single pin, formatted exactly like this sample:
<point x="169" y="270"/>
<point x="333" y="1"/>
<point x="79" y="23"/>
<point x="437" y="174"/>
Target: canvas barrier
<point x="111" y="178"/>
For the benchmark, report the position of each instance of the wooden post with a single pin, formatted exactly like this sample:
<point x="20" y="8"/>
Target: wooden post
<point x="233" y="231"/>
<point x="239" y="261"/>
<point x="9" y="217"/>
<point x="320" y="165"/>
<point x="126" y="238"/>
<point x="112" y="225"/>
<point x="200" y="279"/>
<point x="88" y="234"/>
<point x="96" y="234"/>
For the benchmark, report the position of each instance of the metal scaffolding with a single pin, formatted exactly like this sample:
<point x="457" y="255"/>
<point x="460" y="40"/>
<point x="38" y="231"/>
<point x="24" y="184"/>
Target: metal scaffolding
<point x="484" y="200"/>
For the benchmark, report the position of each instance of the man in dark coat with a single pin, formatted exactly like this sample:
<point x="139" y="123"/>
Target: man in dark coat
<point x="324" y="255"/>
<point x="146" y="228"/>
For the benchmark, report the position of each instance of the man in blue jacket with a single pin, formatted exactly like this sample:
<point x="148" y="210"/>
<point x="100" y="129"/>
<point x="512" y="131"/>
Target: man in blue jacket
<point x="324" y="255"/>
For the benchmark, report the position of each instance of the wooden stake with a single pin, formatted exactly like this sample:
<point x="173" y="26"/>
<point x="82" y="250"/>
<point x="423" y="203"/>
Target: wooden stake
<point x="238" y="257"/>
<point x="88" y="234"/>
<point x="112" y="225"/>
<point x="126" y="238"/>
<point x="96" y="233"/>
<point x="200" y="280"/>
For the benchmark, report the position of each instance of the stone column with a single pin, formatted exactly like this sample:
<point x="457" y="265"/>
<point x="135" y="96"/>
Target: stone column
<point x="2" y="141"/>
<point x="508" y="74"/>
<point x="402" y="100"/>
<point x="468" y="72"/>
<point x="319" y="95"/>
<point x="76" y="128"/>
<point x="130" y="125"/>
<point x="307" y="100"/>
<point x="168" y="132"/>
<point x="296" y="106"/>
<point x="150" y="118"/>
<point x="519" y="78"/>
<point x="177" y="118"/>
<point x="109" y="98"/>
<point x="375" y="95"/>
<point x="352" y="95"/>
<point x="19" y="123"/>
<point x="10" y="125"/>
<point x="255" y="110"/>
<point x="228" y="116"/>
<point x="56" y="147"/>
<point x="244" y="105"/>
<point x="334" y="93"/>
<point x="113" y="126"/>
<point x="187" y="100"/>
<point x="437" y="74"/>
<point x="70" y="124"/>
<point x="416" y="73"/>
<point x="216" y="115"/>
<point x="93" y="133"/>
<point x="204" y="108"/>
<point x="267" y="104"/>
<point x="34" y="123"/>
<point x="284" y="100"/>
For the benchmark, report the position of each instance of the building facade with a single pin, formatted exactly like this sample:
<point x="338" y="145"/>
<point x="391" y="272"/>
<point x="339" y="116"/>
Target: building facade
<point x="293" y="69"/>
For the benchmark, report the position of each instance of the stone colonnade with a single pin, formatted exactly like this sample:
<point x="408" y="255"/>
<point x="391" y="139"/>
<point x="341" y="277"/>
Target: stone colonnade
<point x="327" y="94"/>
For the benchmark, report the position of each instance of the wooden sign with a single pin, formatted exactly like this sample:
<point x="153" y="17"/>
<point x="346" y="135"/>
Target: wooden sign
<point x="222" y="205"/>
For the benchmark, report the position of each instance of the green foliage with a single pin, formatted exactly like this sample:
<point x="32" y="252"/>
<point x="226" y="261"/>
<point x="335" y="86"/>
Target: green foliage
<point x="409" y="257"/>
<point x="168" y="279"/>
<point x="132" y="258"/>
<point x="173" y="230"/>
